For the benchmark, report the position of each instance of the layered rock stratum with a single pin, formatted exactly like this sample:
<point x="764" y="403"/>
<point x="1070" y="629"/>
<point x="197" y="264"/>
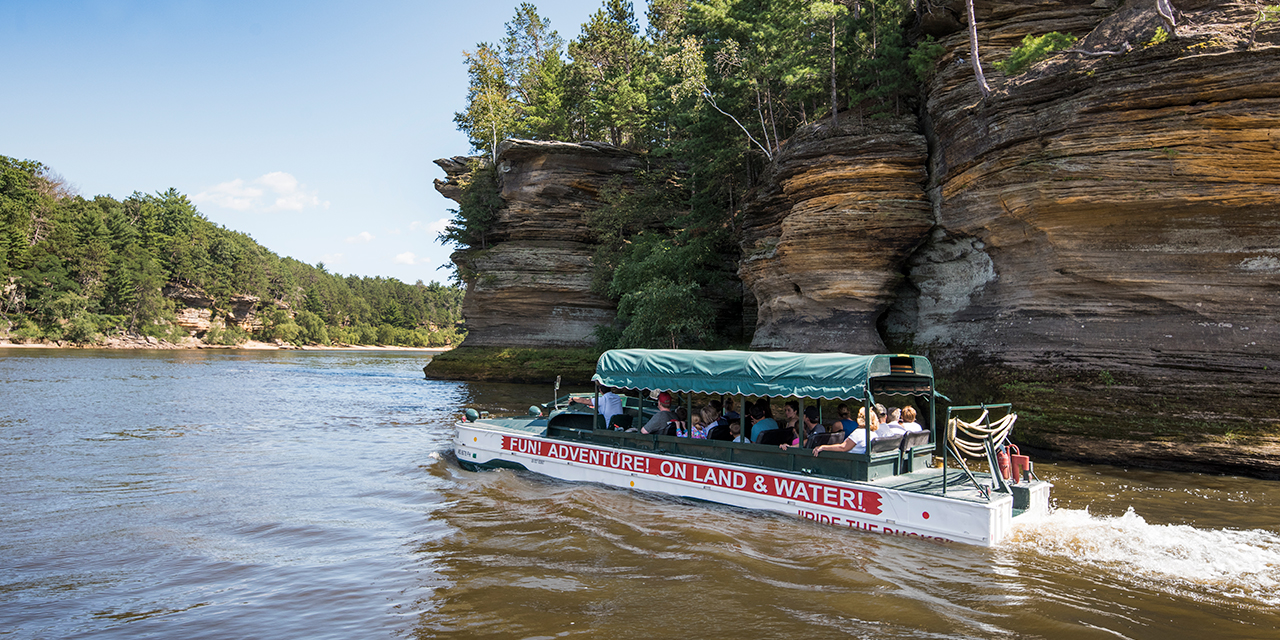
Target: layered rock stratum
<point x="1118" y="213"/>
<point x="531" y="286"/>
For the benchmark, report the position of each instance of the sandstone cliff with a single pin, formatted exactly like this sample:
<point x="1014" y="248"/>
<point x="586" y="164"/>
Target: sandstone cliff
<point x="824" y="241"/>
<point x="1098" y="212"/>
<point x="1111" y="211"/>
<point x="532" y="285"/>
<point x="1115" y="208"/>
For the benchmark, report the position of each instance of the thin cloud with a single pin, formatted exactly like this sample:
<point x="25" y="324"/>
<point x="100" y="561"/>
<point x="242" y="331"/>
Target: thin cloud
<point x="275" y="191"/>
<point x="406" y="258"/>
<point x="435" y="227"/>
<point x="360" y="238"/>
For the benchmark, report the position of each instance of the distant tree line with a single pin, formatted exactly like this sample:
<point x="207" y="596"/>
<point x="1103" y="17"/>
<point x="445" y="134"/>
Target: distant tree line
<point x="708" y="92"/>
<point x="79" y="270"/>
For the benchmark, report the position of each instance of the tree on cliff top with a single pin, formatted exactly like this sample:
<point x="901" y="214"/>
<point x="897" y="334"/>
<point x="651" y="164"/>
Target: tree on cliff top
<point x="491" y="115"/>
<point x="610" y="63"/>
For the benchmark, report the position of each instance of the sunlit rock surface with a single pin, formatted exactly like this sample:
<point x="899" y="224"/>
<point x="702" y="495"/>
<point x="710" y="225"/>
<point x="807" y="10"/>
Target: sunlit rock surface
<point x="1115" y="212"/>
<point x="823" y="241"/>
<point x="531" y="285"/>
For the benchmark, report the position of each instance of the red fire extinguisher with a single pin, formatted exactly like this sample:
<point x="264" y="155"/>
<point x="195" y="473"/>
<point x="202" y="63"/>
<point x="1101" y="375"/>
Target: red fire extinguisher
<point x="1002" y="458"/>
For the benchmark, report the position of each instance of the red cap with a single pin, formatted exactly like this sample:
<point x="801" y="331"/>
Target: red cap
<point x="664" y="398"/>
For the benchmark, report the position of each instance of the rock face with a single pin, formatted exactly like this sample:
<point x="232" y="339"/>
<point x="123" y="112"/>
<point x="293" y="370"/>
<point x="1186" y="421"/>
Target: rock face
<point x="1106" y="212"/>
<point x="824" y="241"/>
<point x="532" y="285"/>
<point x="1117" y="212"/>
<point x="196" y="310"/>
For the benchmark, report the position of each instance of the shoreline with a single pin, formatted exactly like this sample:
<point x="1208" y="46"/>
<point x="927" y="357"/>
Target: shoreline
<point x="250" y="345"/>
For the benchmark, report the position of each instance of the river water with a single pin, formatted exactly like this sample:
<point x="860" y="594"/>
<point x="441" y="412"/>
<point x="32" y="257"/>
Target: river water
<point x="224" y="494"/>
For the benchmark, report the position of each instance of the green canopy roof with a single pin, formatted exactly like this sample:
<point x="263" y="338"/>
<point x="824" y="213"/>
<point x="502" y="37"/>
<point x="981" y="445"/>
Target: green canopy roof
<point x="829" y="376"/>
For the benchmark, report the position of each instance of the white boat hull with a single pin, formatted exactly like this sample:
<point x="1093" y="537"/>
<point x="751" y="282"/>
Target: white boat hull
<point x="866" y="506"/>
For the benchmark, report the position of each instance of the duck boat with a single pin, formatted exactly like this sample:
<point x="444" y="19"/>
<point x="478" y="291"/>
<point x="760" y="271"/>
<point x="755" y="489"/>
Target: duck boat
<point x="917" y="485"/>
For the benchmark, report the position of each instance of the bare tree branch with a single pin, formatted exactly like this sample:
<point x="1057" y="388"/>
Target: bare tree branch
<point x="983" y="87"/>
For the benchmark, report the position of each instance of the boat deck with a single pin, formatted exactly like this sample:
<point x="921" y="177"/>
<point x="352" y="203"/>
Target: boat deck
<point x="931" y="482"/>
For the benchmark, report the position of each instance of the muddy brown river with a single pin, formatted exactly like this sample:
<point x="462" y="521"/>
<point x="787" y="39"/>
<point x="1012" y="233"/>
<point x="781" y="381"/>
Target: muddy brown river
<point x="222" y="494"/>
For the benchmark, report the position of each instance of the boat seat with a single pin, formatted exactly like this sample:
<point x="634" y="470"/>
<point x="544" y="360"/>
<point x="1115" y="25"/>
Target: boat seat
<point x="835" y="437"/>
<point x="881" y="445"/>
<point x="913" y="440"/>
<point x="621" y="422"/>
<point x="720" y="432"/>
<point x="775" y="437"/>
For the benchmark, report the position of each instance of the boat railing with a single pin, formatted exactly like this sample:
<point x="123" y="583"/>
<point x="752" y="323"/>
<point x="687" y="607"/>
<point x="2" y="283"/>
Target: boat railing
<point x="834" y="465"/>
<point x="978" y="438"/>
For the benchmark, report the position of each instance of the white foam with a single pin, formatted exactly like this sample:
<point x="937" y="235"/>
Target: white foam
<point x="1238" y="563"/>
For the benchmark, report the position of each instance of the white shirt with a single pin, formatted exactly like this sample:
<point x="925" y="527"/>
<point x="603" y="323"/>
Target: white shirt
<point x="912" y="427"/>
<point x="890" y="430"/>
<point x="859" y="440"/>
<point x="610" y="406"/>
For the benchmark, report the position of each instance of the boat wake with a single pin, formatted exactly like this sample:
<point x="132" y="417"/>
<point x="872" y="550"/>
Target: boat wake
<point x="1241" y="564"/>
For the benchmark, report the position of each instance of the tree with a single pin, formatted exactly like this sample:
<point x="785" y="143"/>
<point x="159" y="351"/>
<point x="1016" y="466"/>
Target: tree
<point x="609" y="58"/>
<point x="491" y="114"/>
<point x="983" y="87"/>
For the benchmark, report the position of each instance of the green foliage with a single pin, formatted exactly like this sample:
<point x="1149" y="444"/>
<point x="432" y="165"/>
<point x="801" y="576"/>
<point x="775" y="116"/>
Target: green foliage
<point x="664" y="313"/>
<point x="478" y="209"/>
<point x="924" y="58"/>
<point x="1161" y="36"/>
<point x="79" y="270"/>
<point x="491" y="114"/>
<point x="1034" y="49"/>
<point x="1267" y="13"/>
<point x="226" y="335"/>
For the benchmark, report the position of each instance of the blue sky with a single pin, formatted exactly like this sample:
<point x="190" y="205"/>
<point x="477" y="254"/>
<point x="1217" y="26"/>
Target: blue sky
<point x="311" y="126"/>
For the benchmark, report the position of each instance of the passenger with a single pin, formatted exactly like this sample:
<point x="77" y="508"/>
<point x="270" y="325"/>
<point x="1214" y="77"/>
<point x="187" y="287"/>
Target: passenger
<point x="735" y="430"/>
<point x="702" y="423"/>
<point x="729" y="410"/>
<point x="764" y="405"/>
<point x="791" y="413"/>
<point x="846" y="423"/>
<point x="909" y="423"/>
<point x="610" y="404"/>
<point x="811" y="428"/>
<point x="880" y="412"/>
<point x="891" y="427"/>
<point x="855" y="443"/>
<point x="759" y="423"/>
<point x="662" y="417"/>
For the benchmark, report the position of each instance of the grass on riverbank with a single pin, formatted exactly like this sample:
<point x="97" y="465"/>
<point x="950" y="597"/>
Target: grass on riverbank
<point x="526" y="365"/>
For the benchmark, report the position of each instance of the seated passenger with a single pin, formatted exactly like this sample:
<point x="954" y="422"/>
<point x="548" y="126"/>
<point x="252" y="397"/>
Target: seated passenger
<point x="764" y="405"/>
<point x="845" y="422"/>
<point x="856" y="443"/>
<point x="891" y="427"/>
<point x="729" y="410"/>
<point x="702" y="423"/>
<point x="909" y="423"/>
<point x="791" y="415"/>
<point x="664" y="415"/>
<point x="811" y="428"/>
<point x="759" y="423"/>
<point x="610" y="404"/>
